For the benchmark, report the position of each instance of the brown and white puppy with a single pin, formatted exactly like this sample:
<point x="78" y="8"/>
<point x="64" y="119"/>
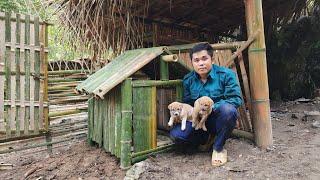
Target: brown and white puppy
<point x="180" y="113"/>
<point x="202" y="109"/>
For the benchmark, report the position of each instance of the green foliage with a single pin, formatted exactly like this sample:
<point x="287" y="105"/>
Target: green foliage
<point x="294" y="57"/>
<point x="59" y="50"/>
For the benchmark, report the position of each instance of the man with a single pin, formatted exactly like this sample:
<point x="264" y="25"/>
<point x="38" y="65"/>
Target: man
<point x="221" y="85"/>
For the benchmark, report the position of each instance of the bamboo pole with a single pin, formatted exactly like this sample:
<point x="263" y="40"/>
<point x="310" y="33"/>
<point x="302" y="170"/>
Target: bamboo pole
<point x="258" y="75"/>
<point x="164" y="69"/>
<point x="68" y="72"/>
<point x="169" y="58"/>
<point x="42" y="144"/>
<point x="144" y="83"/>
<point x="67" y="112"/>
<point x="126" y="132"/>
<point x="27" y="76"/>
<point x="141" y="153"/>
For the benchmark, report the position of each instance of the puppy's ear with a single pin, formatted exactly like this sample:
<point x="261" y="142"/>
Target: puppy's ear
<point x="170" y="106"/>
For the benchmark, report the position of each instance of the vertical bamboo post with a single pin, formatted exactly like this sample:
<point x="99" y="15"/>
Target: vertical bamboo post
<point x="258" y="75"/>
<point x="164" y="69"/>
<point x="126" y="129"/>
<point x="37" y="74"/>
<point x="7" y="72"/>
<point x="27" y="74"/>
<point x="18" y="74"/>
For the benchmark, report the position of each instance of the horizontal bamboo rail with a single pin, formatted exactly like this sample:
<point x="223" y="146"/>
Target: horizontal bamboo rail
<point x="145" y="83"/>
<point x="67" y="112"/>
<point x="42" y="144"/>
<point x="68" y="72"/>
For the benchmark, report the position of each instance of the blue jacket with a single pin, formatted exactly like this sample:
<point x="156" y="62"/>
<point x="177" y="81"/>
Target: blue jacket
<point x="222" y="87"/>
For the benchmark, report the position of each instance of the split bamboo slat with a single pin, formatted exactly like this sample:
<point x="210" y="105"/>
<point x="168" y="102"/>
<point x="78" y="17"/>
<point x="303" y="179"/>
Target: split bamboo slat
<point x="21" y="94"/>
<point x="118" y="121"/>
<point x="143" y="118"/>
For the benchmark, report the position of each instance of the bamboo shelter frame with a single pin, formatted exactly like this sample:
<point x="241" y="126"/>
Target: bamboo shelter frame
<point x="120" y="135"/>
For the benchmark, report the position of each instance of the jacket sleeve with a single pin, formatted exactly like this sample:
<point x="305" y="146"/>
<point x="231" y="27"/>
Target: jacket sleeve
<point x="232" y="93"/>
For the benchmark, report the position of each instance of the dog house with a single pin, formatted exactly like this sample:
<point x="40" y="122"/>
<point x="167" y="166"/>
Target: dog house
<point x="129" y="98"/>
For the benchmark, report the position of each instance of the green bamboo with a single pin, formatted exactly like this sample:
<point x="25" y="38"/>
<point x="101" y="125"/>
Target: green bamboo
<point x="145" y="156"/>
<point x="133" y="155"/>
<point x="144" y="118"/>
<point x="126" y="129"/>
<point x="179" y="92"/>
<point x="27" y="73"/>
<point x="164" y="70"/>
<point x="106" y="123"/>
<point x="58" y="80"/>
<point x="66" y="112"/>
<point x="7" y="72"/>
<point x="90" y="120"/>
<point x="145" y="83"/>
<point x="40" y="145"/>
<point x="37" y="73"/>
<point x="101" y="117"/>
<point x="118" y="120"/>
<point x="17" y="59"/>
<point x="112" y="124"/>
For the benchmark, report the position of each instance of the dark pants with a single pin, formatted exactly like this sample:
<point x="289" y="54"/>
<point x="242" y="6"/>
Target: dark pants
<point x="221" y="122"/>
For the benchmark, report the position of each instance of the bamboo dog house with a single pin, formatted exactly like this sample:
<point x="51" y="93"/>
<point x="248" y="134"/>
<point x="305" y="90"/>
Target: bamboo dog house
<point x="127" y="108"/>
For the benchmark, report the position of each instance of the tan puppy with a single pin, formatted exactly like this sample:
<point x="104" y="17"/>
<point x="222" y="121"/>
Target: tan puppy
<point x="202" y="109"/>
<point x="180" y="113"/>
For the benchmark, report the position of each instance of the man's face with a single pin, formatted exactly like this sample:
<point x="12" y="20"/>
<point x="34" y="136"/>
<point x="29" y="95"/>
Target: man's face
<point x="202" y="62"/>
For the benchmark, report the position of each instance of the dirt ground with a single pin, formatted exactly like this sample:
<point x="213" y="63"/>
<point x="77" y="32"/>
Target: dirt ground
<point x="294" y="155"/>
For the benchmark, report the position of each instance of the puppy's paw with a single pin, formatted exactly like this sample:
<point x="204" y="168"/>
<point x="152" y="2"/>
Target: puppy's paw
<point x="204" y="128"/>
<point x="193" y="124"/>
<point x="170" y="124"/>
<point x="183" y="128"/>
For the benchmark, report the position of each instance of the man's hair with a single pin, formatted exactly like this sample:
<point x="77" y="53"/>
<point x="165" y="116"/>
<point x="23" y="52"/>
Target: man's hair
<point x="200" y="47"/>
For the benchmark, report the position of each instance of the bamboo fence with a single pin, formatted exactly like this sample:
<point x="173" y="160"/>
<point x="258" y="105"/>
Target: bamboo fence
<point x="23" y="75"/>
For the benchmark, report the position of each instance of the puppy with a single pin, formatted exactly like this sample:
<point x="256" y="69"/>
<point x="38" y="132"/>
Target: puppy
<point x="202" y="109"/>
<point x="180" y="113"/>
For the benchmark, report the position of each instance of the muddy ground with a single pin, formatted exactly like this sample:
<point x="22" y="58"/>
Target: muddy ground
<point x="294" y="155"/>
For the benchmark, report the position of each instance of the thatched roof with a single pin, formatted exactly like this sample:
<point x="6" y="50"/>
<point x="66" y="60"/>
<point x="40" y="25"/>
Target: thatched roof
<point x="102" y="24"/>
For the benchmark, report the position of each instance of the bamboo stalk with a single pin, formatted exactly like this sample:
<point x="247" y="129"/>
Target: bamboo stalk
<point x="90" y="120"/>
<point x="145" y="156"/>
<point x="27" y="75"/>
<point x="145" y="83"/>
<point x="41" y="144"/>
<point x="164" y="69"/>
<point x="243" y="134"/>
<point x="230" y="62"/>
<point x="169" y="58"/>
<point x="126" y="132"/>
<point x="67" y="112"/>
<point x="141" y="153"/>
<point x="17" y="64"/>
<point x="258" y="75"/>
<point x="68" y="72"/>
<point x="7" y="73"/>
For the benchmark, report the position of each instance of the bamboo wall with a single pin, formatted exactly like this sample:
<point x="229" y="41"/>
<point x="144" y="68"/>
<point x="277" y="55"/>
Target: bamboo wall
<point x="23" y="75"/>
